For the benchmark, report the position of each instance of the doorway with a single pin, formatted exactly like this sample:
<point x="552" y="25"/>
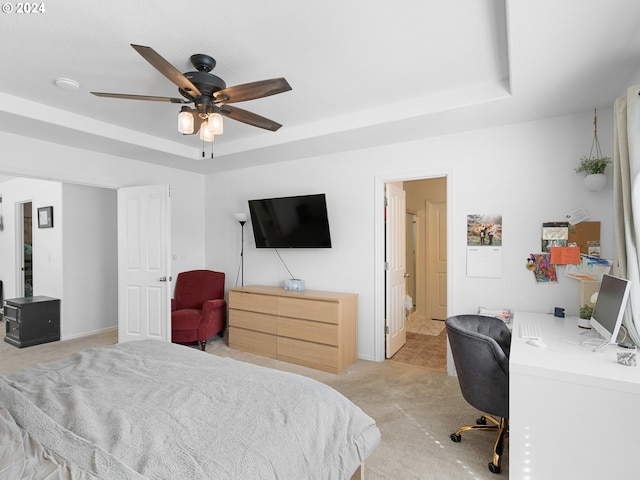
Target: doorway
<point x="25" y="249"/>
<point x="441" y="178"/>
<point x="426" y="273"/>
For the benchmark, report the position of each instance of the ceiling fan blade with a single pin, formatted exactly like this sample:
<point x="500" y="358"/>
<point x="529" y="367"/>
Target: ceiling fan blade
<point x="253" y="90"/>
<point x="150" y="98"/>
<point x="168" y="70"/>
<point x="249" y="118"/>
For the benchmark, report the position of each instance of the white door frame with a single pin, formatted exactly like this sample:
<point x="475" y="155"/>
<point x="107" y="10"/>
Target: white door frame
<point x="379" y="253"/>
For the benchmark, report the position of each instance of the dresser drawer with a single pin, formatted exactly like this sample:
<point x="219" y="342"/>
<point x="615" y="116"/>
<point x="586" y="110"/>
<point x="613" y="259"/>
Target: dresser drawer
<point x="254" y="342"/>
<point x="318" y="332"/>
<point x="12" y="329"/>
<point x="12" y="313"/>
<point x="323" y="357"/>
<point x="260" y="322"/>
<point x="253" y="302"/>
<point x="319" y="310"/>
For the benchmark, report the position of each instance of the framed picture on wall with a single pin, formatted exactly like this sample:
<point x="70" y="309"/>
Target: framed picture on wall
<point x="45" y="217"/>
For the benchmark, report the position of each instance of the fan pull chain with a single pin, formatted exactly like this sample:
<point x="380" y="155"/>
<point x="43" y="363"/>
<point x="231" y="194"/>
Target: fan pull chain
<point x="203" y="154"/>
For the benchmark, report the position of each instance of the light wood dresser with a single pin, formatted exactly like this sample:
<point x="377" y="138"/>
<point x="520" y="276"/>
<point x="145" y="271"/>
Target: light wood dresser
<point x="311" y="328"/>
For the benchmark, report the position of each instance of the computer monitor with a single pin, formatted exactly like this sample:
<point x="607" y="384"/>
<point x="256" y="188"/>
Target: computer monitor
<point x="610" y="306"/>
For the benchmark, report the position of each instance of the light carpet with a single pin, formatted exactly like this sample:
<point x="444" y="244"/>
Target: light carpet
<point x="415" y="408"/>
<point x="424" y="326"/>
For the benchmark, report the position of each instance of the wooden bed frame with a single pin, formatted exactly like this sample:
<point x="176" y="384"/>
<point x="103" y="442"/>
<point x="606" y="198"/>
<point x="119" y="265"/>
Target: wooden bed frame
<point x="359" y="474"/>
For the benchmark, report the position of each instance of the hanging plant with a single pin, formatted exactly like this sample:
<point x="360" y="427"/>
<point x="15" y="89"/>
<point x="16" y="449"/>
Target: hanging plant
<point x="593" y="165"/>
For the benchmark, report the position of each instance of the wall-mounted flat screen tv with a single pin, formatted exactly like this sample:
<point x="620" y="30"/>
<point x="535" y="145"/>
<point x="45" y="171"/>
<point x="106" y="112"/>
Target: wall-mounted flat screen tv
<point x="291" y="222"/>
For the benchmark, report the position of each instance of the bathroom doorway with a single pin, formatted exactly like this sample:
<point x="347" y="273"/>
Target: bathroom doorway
<point x="25" y="249"/>
<point x="426" y="274"/>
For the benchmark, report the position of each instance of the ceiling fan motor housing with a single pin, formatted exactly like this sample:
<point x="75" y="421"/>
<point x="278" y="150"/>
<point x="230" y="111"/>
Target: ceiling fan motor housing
<point x="207" y="83"/>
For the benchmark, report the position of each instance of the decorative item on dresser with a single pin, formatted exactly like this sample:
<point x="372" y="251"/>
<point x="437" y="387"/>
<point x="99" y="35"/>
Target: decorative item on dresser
<point x="311" y="328"/>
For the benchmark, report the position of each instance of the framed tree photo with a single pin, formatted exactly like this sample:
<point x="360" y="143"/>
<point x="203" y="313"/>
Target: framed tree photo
<point x="45" y="217"/>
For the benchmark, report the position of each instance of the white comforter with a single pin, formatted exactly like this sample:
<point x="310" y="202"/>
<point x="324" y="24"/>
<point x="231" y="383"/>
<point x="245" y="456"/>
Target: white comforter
<point x="153" y="410"/>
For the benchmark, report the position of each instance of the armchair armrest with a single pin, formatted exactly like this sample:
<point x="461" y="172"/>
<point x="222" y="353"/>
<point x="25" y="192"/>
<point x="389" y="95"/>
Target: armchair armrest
<point x="212" y="305"/>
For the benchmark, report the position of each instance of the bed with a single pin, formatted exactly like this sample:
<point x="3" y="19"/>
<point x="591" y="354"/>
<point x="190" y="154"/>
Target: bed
<point x="154" y="410"/>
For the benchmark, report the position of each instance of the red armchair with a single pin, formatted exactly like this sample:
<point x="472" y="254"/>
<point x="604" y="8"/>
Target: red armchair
<point x="198" y="307"/>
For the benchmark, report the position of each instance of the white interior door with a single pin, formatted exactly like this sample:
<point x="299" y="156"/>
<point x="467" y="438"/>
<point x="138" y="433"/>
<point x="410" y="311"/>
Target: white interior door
<point x="144" y="277"/>
<point x="396" y="334"/>
<point x="437" y="255"/>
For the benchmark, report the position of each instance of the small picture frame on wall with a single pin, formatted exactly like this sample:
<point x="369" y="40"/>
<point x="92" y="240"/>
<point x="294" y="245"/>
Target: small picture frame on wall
<point x="45" y="217"/>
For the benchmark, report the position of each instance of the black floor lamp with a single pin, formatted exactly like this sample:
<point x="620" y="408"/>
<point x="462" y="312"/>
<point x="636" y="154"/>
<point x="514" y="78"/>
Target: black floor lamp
<point x="242" y="219"/>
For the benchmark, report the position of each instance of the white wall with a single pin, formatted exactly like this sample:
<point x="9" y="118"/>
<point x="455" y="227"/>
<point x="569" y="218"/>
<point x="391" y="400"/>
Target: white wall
<point x="525" y="172"/>
<point x="90" y="258"/>
<point x="27" y="157"/>
<point x="47" y="242"/>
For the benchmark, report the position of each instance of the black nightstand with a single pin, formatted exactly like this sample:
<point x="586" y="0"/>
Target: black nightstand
<point x="32" y="320"/>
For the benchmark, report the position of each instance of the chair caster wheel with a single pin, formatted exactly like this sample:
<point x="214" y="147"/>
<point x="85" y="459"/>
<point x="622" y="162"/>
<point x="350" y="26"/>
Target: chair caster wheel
<point x="481" y="421"/>
<point x="494" y="468"/>
<point x="455" y="438"/>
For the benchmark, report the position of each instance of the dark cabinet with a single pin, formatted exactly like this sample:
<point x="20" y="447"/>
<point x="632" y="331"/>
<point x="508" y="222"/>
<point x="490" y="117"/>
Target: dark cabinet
<point x="32" y="320"/>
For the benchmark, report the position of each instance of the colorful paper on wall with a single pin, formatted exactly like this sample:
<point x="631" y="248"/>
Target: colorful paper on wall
<point x="565" y="255"/>
<point x="590" y="268"/>
<point x="544" y="270"/>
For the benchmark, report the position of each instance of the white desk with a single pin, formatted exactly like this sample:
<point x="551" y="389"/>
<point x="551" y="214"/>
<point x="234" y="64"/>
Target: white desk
<point x="573" y="413"/>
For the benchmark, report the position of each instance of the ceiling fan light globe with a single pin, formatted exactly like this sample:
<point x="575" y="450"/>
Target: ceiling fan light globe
<point x="215" y="123"/>
<point x="206" y="134"/>
<point x="185" y="123"/>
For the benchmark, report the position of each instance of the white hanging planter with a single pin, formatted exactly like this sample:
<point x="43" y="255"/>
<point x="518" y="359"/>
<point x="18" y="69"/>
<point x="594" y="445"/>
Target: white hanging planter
<point x="595" y="181"/>
<point x="595" y="163"/>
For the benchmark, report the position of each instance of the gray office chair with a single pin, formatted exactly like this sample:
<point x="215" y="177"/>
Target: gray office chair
<point x="480" y="347"/>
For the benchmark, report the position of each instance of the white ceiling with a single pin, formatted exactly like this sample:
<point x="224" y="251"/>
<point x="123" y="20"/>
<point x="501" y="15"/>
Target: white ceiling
<point x="363" y="72"/>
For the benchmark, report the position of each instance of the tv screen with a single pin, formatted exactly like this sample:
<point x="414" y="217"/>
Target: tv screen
<point x="290" y="222"/>
<point x="610" y="305"/>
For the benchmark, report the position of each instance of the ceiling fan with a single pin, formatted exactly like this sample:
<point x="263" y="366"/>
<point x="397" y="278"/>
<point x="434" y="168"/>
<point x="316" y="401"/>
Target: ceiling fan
<point x="208" y="93"/>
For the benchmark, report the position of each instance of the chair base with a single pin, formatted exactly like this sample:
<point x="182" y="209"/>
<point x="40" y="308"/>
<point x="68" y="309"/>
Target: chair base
<point x="201" y="343"/>
<point x="501" y="427"/>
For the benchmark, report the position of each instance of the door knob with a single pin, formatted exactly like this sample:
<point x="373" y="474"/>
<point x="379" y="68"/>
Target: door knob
<point x="406" y="275"/>
<point x="163" y="279"/>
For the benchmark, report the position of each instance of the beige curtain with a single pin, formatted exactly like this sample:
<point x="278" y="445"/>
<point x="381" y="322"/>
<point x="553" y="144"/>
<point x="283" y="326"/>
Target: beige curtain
<point x="626" y="191"/>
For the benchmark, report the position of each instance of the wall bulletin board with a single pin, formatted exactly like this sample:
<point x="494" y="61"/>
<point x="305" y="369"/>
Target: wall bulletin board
<point x="586" y="235"/>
